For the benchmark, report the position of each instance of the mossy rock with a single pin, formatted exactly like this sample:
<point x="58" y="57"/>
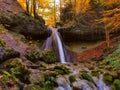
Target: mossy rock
<point x="7" y="53"/>
<point x="72" y="79"/>
<point x="16" y="68"/>
<point x="49" y="56"/>
<point x="108" y="79"/>
<point x="116" y="84"/>
<point x="86" y="76"/>
<point x="33" y="56"/>
<point x="41" y="64"/>
<point x="36" y="78"/>
<point x="49" y="82"/>
<point x="96" y="72"/>
<point x="61" y="70"/>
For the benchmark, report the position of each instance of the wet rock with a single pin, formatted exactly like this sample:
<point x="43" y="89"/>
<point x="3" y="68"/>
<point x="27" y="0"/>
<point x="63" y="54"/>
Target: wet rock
<point x="59" y="88"/>
<point x="83" y="85"/>
<point x="63" y="83"/>
<point x="101" y="85"/>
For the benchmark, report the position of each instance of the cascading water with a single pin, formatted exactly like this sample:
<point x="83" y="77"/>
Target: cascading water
<point x="60" y="46"/>
<point x="55" y="38"/>
<point x="101" y="85"/>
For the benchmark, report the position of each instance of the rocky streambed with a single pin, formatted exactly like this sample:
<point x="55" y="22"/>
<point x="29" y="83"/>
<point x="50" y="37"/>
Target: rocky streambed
<point x="22" y="74"/>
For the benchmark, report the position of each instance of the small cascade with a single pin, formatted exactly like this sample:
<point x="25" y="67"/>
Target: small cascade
<point x="60" y="47"/>
<point x="63" y="84"/>
<point x="63" y="53"/>
<point x="101" y="85"/>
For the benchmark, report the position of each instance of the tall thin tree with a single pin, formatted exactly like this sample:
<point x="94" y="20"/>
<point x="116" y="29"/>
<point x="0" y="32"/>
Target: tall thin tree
<point x="54" y="12"/>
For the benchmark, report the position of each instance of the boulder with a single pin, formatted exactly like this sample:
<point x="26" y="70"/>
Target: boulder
<point x="36" y="77"/>
<point x="14" y="18"/>
<point x="6" y="53"/>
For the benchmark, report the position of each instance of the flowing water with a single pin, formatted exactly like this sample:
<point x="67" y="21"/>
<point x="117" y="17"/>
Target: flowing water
<point x="60" y="46"/>
<point x="55" y="38"/>
<point x="101" y="85"/>
<point x="63" y="84"/>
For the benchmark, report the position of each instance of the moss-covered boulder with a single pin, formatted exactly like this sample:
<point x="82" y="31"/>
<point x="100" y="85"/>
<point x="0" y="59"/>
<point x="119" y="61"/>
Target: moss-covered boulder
<point x="49" y="56"/>
<point x="61" y="69"/>
<point x="86" y="76"/>
<point x="36" y="77"/>
<point x="16" y="68"/>
<point x="7" y="53"/>
<point x="72" y="79"/>
<point x="33" y="56"/>
<point x="15" y="18"/>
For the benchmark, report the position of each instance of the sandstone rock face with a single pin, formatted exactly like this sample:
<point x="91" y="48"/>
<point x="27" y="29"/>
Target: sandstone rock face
<point x="13" y="42"/>
<point x="14" y="18"/>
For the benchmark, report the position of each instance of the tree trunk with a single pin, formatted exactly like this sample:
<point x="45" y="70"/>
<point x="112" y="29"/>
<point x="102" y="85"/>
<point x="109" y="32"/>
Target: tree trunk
<point x="34" y="8"/>
<point x="27" y="6"/>
<point x="54" y="12"/>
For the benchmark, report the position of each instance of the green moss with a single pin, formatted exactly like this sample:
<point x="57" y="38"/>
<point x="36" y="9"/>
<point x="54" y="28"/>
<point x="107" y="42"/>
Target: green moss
<point x="61" y="70"/>
<point x="108" y="79"/>
<point x="19" y="71"/>
<point x="84" y="75"/>
<point x="49" y="56"/>
<point x="72" y="79"/>
<point x="2" y="42"/>
<point x="49" y="83"/>
<point x="96" y="72"/>
<point x="2" y="29"/>
<point x="33" y="55"/>
<point x="112" y="61"/>
<point x="116" y="83"/>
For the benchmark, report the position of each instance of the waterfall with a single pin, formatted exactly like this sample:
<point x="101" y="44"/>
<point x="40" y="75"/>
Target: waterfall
<point x="55" y="38"/>
<point x="60" y="46"/>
